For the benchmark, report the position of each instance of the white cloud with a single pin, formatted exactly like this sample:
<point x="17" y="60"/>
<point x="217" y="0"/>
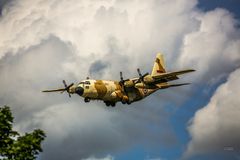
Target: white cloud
<point x="213" y="49"/>
<point x="108" y="157"/>
<point x="216" y="127"/>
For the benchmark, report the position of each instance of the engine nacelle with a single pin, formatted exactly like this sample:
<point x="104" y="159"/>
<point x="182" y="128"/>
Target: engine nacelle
<point x="129" y="83"/>
<point x="145" y="86"/>
<point x="140" y="85"/>
<point x="148" y="79"/>
<point x="117" y="95"/>
<point x="125" y="99"/>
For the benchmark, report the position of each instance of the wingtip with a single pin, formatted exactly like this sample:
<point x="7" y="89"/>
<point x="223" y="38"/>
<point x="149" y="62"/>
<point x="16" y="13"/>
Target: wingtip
<point x="191" y="70"/>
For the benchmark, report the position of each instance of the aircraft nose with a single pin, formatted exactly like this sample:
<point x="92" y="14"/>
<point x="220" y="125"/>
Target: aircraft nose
<point x="79" y="91"/>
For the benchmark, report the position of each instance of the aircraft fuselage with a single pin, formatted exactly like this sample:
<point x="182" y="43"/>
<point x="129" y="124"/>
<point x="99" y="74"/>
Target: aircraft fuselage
<point x="109" y="91"/>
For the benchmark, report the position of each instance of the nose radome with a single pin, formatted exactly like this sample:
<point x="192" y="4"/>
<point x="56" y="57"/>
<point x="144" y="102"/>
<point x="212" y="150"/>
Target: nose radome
<point x="79" y="91"/>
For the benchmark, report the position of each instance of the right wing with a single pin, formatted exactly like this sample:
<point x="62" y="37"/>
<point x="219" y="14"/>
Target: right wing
<point x="170" y="75"/>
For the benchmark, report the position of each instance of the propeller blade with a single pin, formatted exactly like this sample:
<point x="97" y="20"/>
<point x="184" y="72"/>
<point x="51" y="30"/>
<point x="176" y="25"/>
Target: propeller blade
<point x="64" y="82"/>
<point x="121" y="76"/>
<point x="141" y="77"/>
<point x="145" y="74"/>
<point x="139" y="72"/>
<point x="70" y="85"/>
<point x="61" y="90"/>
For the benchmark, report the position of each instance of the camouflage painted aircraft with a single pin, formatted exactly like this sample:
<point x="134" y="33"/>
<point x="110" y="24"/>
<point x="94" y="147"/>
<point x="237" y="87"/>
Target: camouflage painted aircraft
<point x="126" y="91"/>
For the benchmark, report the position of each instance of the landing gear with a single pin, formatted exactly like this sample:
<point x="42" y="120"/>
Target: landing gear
<point x="124" y="102"/>
<point x="113" y="104"/>
<point x="108" y="103"/>
<point x="86" y="99"/>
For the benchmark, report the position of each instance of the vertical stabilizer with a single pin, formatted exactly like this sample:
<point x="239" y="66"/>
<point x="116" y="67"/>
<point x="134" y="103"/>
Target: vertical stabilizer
<point x="159" y="65"/>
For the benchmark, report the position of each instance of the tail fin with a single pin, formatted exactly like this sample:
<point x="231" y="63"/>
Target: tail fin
<point x="159" y="65"/>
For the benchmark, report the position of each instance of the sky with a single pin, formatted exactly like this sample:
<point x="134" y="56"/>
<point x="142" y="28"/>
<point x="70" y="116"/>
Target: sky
<point x="43" y="42"/>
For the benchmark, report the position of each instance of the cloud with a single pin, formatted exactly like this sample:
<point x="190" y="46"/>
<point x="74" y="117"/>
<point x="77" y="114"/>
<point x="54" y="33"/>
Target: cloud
<point x="213" y="49"/>
<point x="108" y="157"/>
<point x="44" y="42"/>
<point x="2" y="4"/>
<point x="215" y="127"/>
<point x="97" y="68"/>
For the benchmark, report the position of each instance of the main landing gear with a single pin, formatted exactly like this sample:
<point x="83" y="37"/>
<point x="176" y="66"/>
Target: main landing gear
<point x="86" y="99"/>
<point x="108" y="103"/>
<point x="124" y="102"/>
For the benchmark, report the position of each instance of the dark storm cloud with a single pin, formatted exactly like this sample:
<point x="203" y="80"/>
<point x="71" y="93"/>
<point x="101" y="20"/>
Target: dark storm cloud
<point x="24" y="75"/>
<point x="2" y="4"/>
<point x="97" y="68"/>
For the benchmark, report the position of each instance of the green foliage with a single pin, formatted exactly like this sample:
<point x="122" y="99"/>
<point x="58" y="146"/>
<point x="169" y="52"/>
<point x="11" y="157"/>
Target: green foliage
<point x="16" y="147"/>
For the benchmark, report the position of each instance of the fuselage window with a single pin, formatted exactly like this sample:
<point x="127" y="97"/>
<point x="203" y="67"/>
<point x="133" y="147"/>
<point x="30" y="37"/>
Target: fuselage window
<point x="87" y="82"/>
<point x="87" y="87"/>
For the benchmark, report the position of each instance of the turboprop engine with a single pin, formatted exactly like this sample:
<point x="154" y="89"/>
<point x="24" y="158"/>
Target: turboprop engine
<point x="119" y="95"/>
<point x="145" y="86"/>
<point x="128" y="83"/>
<point x="148" y="79"/>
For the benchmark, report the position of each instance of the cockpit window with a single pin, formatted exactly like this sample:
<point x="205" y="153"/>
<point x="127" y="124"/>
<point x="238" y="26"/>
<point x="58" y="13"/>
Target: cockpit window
<point x="85" y="82"/>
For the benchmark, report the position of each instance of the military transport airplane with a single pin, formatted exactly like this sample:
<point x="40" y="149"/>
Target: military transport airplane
<point x="125" y="90"/>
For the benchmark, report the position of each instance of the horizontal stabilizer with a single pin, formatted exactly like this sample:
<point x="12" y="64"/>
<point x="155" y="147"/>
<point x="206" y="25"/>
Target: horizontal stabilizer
<point x="173" y="85"/>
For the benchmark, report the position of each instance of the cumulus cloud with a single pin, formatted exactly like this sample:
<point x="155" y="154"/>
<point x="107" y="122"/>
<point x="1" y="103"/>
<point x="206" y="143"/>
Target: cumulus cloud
<point x="215" y="128"/>
<point x="43" y="42"/>
<point x="91" y="128"/>
<point x="213" y="49"/>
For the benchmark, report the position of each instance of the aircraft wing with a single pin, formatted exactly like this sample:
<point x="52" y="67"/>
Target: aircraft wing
<point x="165" y="77"/>
<point x="55" y="90"/>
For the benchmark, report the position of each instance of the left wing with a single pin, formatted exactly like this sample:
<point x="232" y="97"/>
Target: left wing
<point x="55" y="90"/>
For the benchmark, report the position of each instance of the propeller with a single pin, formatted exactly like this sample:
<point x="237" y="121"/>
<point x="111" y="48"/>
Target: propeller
<point x="67" y="87"/>
<point x="121" y="82"/>
<point x="121" y="78"/>
<point x="61" y="90"/>
<point x="141" y="77"/>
